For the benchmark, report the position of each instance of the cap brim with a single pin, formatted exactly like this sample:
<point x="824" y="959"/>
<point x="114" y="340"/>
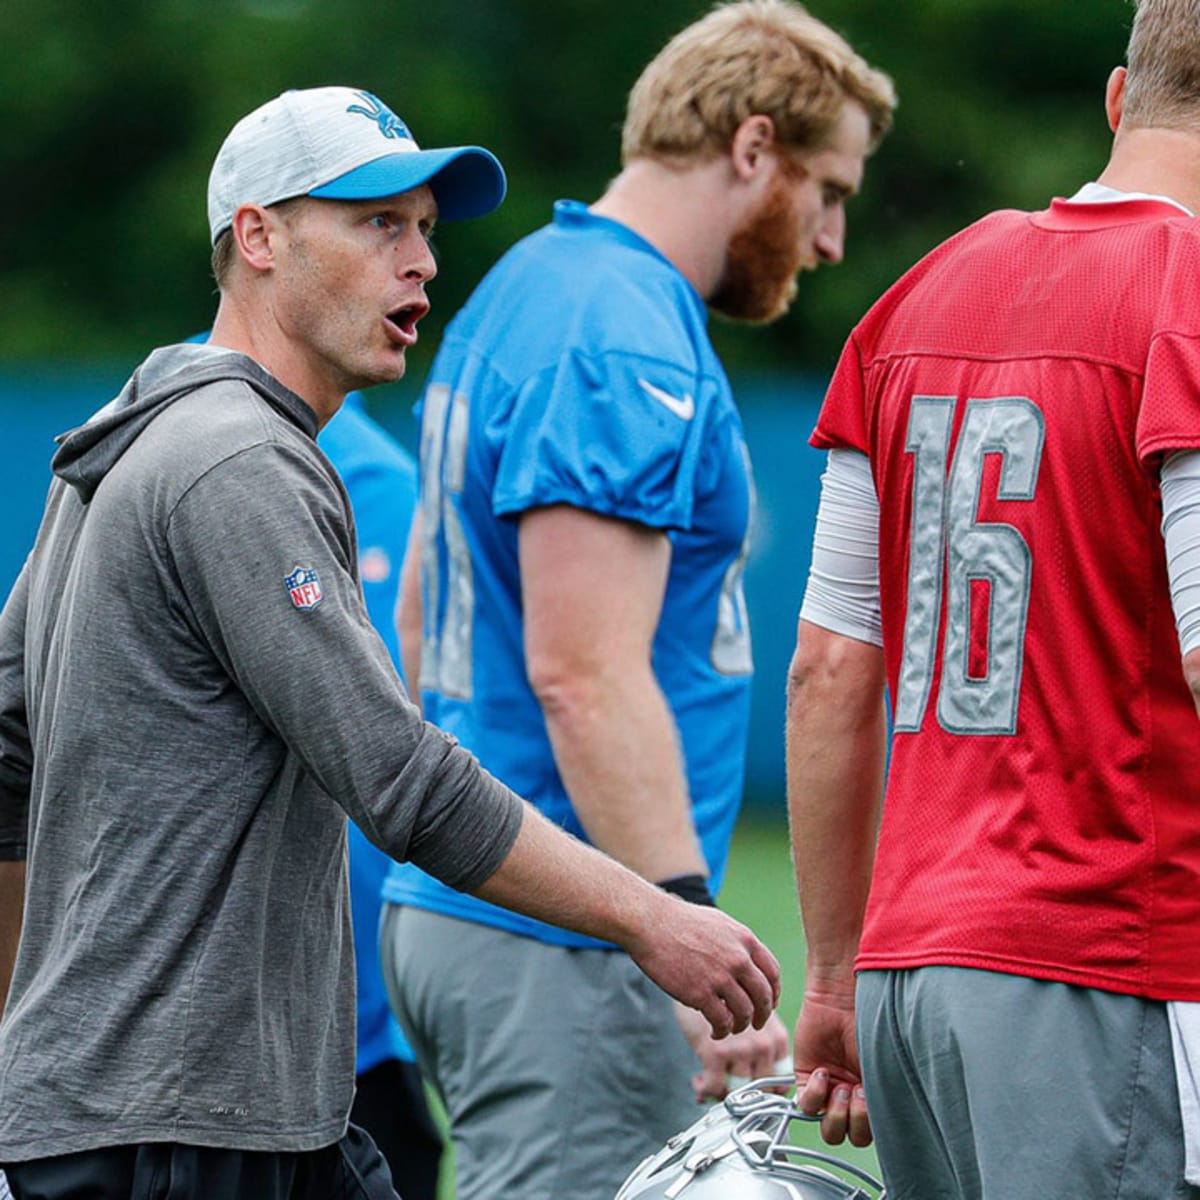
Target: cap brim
<point x="467" y="181"/>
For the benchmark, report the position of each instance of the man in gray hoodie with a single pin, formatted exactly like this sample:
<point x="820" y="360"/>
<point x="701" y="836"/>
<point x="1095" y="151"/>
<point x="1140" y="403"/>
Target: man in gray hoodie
<point x="193" y="700"/>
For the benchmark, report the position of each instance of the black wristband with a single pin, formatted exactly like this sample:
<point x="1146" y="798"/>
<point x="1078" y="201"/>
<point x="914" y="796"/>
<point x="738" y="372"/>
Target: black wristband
<point x="692" y="888"/>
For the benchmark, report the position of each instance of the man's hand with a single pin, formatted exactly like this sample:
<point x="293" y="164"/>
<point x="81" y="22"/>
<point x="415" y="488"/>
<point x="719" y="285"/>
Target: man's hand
<point x="696" y="954"/>
<point x="751" y="1054"/>
<point x="828" y="1076"/>
<point x="708" y="961"/>
<point x="836" y="754"/>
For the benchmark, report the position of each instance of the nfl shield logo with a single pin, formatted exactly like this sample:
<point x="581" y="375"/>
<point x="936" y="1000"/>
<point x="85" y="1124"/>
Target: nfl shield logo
<point x="304" y="587"/>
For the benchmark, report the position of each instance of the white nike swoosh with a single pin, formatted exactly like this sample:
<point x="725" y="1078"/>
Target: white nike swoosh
<point x="684" y="408"/>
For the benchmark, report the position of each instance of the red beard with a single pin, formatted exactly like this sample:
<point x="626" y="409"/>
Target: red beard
<point x="759" y="281"/>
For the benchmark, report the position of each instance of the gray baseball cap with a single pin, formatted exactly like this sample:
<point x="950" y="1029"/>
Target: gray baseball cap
<point x="340" y="143"/>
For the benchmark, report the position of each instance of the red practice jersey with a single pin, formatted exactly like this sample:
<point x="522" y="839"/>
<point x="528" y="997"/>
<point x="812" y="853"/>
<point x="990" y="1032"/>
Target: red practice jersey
<point x="1016" y="392"/>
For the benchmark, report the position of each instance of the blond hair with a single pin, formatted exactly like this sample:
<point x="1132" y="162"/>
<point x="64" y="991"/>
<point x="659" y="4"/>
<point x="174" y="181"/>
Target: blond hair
<point x="1162" y="87"/>
<point x="768" y="57"/>
<point x="223" y="254"/>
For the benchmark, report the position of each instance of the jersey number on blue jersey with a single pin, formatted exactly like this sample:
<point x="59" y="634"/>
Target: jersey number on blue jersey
<point x="731" y="652"/>
<point x="449" y="586"/>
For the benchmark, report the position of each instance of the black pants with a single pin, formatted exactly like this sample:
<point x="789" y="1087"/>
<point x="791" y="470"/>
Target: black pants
<point x="389" y="1103"/>
<point x="352" y="1169"/>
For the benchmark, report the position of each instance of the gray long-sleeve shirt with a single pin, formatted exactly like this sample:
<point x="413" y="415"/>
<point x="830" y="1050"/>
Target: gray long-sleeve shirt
<point x="188" y="683"/>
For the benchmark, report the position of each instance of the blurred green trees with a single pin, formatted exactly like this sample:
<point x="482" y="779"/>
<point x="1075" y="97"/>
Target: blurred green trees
<point x="112" y="111"/>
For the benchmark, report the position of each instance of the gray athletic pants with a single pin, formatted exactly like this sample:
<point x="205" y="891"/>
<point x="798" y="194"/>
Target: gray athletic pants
<point x="986" y="1086"/>
<point x="561" y="1069"/>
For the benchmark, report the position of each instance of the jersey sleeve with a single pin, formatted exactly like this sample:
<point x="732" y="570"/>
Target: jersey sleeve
<point x="613" y="433"/>
<point x="1169" y="416"/>
<point x="263" y="543"/>
<point x="842" y="595"/>
<point x="842" y="423"/>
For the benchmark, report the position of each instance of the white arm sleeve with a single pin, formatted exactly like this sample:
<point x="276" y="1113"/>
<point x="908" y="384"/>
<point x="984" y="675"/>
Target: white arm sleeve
<point x="1180" y="480"/>
<point x="843" y="580"/>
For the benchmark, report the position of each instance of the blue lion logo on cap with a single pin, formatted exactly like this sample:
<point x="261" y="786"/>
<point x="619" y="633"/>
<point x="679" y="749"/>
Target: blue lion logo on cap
<point x="389" y="124"/>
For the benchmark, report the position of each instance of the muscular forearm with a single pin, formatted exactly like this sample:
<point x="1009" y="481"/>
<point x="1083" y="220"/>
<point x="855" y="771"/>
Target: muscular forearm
<point x="617" y="750"/>
<point x="592" y="588"/>
<point x="12" y="900"/>
<point x="698" y="955"/>
<point x="836" y="738"/>
<point x="556" y="878"/>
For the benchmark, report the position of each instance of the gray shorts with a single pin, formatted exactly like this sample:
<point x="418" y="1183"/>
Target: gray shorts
<point x="983" y="1085"/>
<point x="561" y="1069"/>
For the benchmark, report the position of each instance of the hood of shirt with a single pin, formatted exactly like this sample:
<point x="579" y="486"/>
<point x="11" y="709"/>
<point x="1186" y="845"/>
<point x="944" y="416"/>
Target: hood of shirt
<point x="86" y="455"/>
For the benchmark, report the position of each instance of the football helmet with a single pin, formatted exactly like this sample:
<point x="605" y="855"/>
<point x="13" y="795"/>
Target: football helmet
<point x="740" y="1150"/>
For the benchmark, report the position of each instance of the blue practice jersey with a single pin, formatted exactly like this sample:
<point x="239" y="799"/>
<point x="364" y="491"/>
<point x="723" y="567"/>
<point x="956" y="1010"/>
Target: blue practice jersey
<point x="581" y="372"/>
<point x="381" y="479"/>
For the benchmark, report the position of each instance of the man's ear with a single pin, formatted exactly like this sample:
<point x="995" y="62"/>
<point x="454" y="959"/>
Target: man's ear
<point x="254" y="230"/>
<point x="1114" y="97"/>
<point x="752" y="146"/>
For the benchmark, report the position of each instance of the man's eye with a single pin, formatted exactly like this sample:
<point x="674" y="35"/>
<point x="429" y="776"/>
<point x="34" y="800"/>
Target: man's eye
<point x="382" y="221"/>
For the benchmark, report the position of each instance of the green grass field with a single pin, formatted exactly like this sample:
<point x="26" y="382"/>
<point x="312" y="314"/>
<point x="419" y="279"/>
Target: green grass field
<point x="759" y="891"/>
